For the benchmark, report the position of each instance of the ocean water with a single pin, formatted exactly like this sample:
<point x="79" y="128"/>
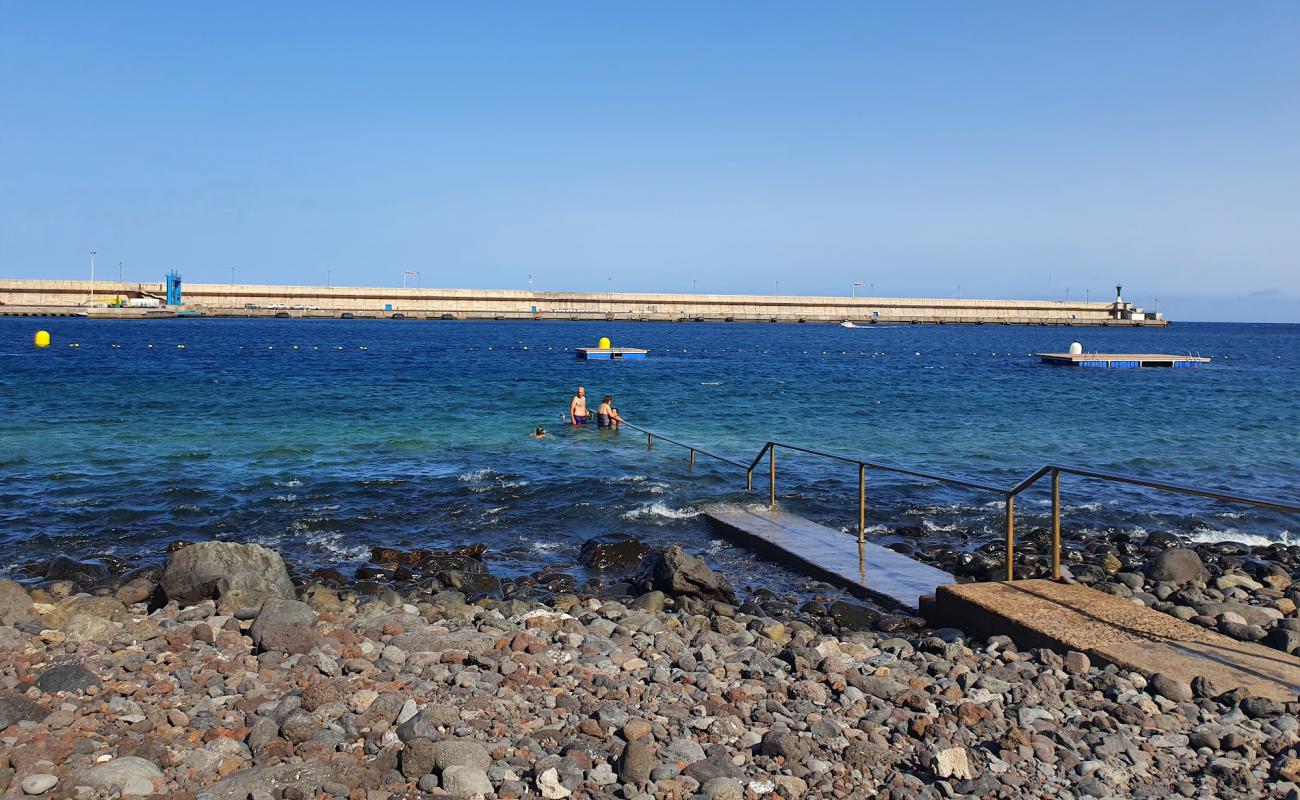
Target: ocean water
<point x="324" y="438"/>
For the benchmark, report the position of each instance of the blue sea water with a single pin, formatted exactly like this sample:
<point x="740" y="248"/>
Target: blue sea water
<point x="324" y="438"/>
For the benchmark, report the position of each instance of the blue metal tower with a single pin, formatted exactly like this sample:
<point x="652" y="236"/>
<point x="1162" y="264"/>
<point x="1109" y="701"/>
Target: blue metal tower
<point x="174" y="289"/>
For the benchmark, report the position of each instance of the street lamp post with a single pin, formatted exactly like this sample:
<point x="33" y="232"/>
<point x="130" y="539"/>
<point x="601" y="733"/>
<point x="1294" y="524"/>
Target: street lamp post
<point x="92" y="277"/>
<point x="854" y="291"/>
<point x="119" y="272"/>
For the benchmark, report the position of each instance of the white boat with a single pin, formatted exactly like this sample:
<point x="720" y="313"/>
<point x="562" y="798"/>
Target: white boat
<point x="847" y="324"/>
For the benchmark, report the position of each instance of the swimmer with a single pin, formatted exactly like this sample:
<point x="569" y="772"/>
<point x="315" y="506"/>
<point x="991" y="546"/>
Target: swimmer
<point x="578" y="407"/>
<point x="539" y="433"/>
<point x="606" y="415"/>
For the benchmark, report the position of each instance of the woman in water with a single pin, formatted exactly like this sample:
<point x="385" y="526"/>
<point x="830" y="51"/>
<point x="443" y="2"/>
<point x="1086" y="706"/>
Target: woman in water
<point x="606" y="415"/>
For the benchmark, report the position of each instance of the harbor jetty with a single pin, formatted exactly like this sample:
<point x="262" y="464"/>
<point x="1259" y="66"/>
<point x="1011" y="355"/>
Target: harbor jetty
<point x="112" y="299"/>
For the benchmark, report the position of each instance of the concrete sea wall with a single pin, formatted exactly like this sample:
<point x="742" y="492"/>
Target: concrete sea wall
<point x="42" y="296"/>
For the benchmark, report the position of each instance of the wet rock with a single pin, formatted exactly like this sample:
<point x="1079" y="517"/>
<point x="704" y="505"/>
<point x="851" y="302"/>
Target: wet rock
<point x="284" y="625"/>
<point x="208" y="570"/>
<point x="1177" y="565"/>
<point x="612" y="552"/>
<point x="678" y="573"/>
<point x="473" y="584"/>
<point x="15" y="603"/>
<point x="66" y="677"/>
<point x="130" y="775"/>
<point x="854" y="616"/>
<point x="136" y="590"/>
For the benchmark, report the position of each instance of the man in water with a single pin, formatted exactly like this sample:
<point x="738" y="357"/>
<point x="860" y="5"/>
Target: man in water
<point x="578" y="407"/>
<point x="539" y="433"/>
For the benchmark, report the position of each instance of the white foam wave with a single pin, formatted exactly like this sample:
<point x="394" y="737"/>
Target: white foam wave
<point x="661" y="510"/>
<point x="476" y="475"/>
<point x="1207" y="536"/>
<point x="934" y="526"/>
<point x="293" y="483"/>
<point x="546" y="547"/>
<point x="285" y="498"/>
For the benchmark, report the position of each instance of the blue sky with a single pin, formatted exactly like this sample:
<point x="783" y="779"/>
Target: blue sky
<point x="1009" y="149"/>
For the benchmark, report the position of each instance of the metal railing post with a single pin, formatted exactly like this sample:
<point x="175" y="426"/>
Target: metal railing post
<point x="749" y="480"/>
<point x="1056" y="524"/>
<point x="771" y="477"/>
<point x="862" y="503"/>
<point x="1011" y="538"/>
<point x="692" y="456"/>
<point x="649" y="440"/>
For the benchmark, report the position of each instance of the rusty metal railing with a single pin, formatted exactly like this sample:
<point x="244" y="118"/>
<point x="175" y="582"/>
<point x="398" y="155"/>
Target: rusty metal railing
<point x="1008" y="495"/>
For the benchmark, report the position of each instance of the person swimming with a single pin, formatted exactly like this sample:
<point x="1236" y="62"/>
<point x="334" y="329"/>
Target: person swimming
<point x="538" y="433"/>
<point x="606" y="415"/>
<point x="578" y="407"/>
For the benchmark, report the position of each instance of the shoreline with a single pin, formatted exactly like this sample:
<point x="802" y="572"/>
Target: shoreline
<point x="220" y="677"/>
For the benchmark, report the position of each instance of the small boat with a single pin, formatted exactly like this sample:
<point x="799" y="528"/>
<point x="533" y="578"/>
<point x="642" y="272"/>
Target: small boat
<point x="847" y="324"/>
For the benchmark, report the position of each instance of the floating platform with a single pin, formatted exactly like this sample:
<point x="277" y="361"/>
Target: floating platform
<point x="1120" y="360"/>
<point x="830" y="555"/>
<point x="1113" y="630"/>
<point x="610" y="353"/>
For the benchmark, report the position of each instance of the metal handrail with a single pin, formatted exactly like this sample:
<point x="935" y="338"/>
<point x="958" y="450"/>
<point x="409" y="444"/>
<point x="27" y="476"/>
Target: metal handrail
<point x="651" y="436"/>
<point x="1009" y="495"/>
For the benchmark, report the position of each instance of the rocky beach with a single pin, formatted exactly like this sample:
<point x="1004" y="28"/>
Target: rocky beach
<point x="227" y="674"/>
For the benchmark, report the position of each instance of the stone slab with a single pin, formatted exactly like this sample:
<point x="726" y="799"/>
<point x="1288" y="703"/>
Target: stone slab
<point x="1113" y="630"/>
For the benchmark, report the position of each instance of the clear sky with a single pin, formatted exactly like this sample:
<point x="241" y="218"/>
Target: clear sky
<point x="1009" y="149"/>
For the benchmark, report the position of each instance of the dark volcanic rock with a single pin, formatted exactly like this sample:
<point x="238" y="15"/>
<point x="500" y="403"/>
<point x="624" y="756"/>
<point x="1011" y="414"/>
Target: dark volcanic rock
<point x="612" y="551"/>
<point x="62" y="568"/>
<point x="208" y="570"/>
<point x="852" y="615"/>
<point x="674" y="571"/>
<point x="473" y="584"/>
<point x="67" y="677"/>
<point x="1177" y="565"/>
<point x="284" y="625"/>
<point x="16" y="708"/>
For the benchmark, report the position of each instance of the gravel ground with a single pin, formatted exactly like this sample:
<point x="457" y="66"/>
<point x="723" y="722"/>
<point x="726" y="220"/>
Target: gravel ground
<point x="222" y="679"/>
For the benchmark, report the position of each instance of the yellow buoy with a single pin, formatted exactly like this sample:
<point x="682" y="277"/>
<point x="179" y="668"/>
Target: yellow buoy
<point x="42" y="339"/>
<point x="604" y="343"/>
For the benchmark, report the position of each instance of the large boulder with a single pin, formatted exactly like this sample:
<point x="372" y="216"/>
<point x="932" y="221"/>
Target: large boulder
<point x="285" y="625"/>
<point x="15" y="604"/>
<point x="208" y="570"/>
<point x="130" y="776"/>
<point x="612" y="551"/>
<point x="676" y="572"/>
<point x="1177" y="565"/>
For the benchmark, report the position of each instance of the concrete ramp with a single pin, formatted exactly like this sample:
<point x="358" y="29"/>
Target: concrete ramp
<point x="830" y="555"/>
<point x="1109" y="629"/>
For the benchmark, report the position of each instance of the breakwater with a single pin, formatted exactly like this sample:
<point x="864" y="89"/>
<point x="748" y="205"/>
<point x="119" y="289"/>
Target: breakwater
<point x="37" y="297"/>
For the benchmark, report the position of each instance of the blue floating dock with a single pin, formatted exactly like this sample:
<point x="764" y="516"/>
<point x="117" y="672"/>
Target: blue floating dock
<point x="1120" y="360"/>
<point x="611" y="353"/>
